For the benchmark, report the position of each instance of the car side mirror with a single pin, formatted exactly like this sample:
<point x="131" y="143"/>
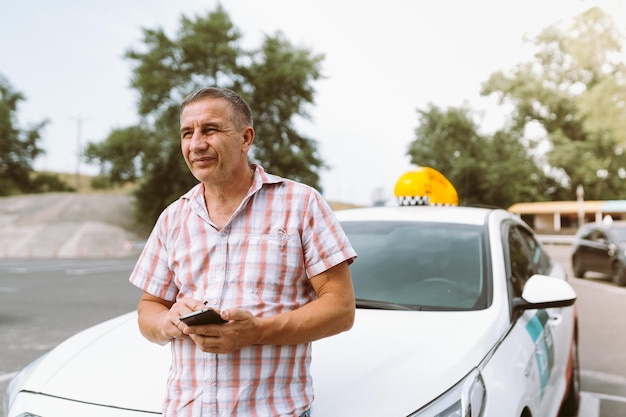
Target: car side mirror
<point x="542" y="291"/>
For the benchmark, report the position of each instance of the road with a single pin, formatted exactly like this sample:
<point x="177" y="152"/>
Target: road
<point x="42" y="302"/>
<point x="602" y="337"/>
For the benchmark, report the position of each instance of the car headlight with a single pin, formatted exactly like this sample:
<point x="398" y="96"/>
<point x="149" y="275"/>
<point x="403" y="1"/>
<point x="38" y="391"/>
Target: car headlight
<point x="17" y="382"/>
<point x="465" y="399"/>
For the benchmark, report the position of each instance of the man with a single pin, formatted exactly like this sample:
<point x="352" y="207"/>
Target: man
<point x="267" y="253"/>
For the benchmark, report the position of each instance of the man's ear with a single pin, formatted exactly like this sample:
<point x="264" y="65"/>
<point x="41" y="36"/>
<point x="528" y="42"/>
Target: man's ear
<point x="248" y="137"/>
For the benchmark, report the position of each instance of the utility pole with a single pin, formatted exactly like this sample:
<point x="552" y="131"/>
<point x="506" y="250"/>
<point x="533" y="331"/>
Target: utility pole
<point x="79" y="134"/>
<point x="580" y="197"/>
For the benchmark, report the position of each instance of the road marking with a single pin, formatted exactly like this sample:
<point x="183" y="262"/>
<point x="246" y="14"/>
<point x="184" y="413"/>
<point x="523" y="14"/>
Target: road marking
<point x="610" y="397"/>
<point x="604" y="377"/>
<point x="598" y="285"/>
<point x="95" y="270"/>
<point x="589" y="405"/>
<point x="7" y="377"/>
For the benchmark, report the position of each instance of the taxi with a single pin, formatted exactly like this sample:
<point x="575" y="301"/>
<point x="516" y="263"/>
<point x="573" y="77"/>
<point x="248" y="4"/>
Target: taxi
<point x="460" y="312"/>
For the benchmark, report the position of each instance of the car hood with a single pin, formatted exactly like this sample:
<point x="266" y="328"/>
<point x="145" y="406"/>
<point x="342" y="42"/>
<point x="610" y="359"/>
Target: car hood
<point x="393" y="363"/>
<point x="389" y="363"/>
<point x="110" y="364"/>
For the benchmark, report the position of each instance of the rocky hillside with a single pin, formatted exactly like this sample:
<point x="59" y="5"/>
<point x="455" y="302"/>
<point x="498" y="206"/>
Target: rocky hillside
<point x="67" y="225"/>
<point x="72" y="225"/>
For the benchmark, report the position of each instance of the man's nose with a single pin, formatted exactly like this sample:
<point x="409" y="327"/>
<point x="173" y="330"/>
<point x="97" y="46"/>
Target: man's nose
<point x="198" y="142"/>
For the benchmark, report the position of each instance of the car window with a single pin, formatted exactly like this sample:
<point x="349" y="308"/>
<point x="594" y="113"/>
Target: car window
<point x="519" y="262"/>
<point x="600" y="236"/>
<point x="418" y="264"/>
<point x="619" y="234"/>
<point x="588" y="235"/>
<point x="526" y="258"/>
<point x="595" y="235"/>
<point x="542" y="264"/>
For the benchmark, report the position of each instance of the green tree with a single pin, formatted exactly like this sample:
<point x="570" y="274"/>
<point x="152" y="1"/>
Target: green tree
<point x="119" y="156"/>
<point x="282" y="77"/>
<point x="276" y="80"/>
<point x="18" y="147"/>
<point x="496" y="170"/>
<point x="448" y="141"/>
<point x="575" y="89"/>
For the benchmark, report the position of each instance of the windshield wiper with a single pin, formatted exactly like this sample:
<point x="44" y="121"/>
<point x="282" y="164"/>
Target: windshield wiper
<point x="384" y="305"/>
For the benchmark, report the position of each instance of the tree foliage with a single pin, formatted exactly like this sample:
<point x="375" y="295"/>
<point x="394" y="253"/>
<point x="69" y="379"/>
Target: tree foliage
<point x="495" y="170"/>
<point x="19" y="148"/>
<point x="275" y="79"/>
<point x="575" y="88"/>
<point x="283" y="76"/>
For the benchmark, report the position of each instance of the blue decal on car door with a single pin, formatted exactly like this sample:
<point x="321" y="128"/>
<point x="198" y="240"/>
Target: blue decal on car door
<point x="544" y="345"/>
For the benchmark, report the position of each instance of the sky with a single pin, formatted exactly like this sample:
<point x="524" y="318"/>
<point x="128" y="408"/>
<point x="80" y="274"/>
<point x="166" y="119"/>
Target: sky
<point x="383" y="62"/>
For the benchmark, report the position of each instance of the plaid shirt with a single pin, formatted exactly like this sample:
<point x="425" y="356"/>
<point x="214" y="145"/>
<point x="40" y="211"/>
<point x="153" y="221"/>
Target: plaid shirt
<point x="282" y="233"/>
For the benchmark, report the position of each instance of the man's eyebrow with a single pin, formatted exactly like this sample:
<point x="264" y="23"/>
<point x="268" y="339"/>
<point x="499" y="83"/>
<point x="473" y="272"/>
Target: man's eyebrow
<point x="202" y="126"/>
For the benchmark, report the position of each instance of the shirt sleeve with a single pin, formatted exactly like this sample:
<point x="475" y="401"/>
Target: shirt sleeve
<point x="324" y="240"/>
<point x="152" y="273"/>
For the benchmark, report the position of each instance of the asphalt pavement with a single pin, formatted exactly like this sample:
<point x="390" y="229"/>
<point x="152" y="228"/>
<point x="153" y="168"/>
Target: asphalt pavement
<point x="602" y="335"/>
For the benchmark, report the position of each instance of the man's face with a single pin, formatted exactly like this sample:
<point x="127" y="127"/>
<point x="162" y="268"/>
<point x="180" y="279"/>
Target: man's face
<point x="213" y="147"/>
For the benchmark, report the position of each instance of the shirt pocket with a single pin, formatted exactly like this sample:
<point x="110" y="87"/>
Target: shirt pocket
<point x="274" y="263"/>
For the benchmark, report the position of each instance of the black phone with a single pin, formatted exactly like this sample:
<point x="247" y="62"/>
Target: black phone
<point x="204" y="316"/>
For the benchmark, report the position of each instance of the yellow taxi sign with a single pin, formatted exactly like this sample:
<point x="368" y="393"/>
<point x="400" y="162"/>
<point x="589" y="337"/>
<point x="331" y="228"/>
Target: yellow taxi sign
<point x="425" y="186"/>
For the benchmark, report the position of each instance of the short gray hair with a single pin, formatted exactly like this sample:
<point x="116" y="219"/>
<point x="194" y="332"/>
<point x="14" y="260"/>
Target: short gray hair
<point x="242" y="115"/>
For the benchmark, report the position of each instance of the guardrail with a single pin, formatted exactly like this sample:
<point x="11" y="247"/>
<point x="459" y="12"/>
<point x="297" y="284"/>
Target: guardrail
<point x="556" y="239"/>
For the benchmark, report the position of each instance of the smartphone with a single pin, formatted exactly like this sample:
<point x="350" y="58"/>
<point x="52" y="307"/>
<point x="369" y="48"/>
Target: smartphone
<point x="204" y="316"/>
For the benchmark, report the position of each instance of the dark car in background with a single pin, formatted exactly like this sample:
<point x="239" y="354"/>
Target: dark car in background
<point x="600" y="247"/>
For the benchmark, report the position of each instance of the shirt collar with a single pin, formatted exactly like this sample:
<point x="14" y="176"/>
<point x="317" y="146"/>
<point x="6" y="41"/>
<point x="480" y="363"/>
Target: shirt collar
<point x="260" y="179"/>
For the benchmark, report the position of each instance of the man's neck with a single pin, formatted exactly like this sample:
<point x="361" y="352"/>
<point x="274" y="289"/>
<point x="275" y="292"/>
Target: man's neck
<point x="222" y="201"/>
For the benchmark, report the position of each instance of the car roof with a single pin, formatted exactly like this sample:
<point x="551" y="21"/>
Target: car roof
<point x="598" y="225"/>
<point x="444" y="214"/>
<point x="618" y="223"/>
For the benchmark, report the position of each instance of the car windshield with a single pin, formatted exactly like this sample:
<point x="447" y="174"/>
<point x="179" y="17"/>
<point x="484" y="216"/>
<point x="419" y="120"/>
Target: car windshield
<point x="418" y="265"/>
<point x="619" y="234"/>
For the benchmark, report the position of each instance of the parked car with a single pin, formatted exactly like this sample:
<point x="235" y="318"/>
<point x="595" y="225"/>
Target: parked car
<point x="600" y="247"/>
<point x="460" y="311"/>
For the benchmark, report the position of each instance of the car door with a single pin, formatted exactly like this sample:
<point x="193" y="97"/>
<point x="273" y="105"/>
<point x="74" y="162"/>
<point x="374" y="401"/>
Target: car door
<point x="547" y="329"/>
<point x="586" y="250"/>
<point x="599" y="252"/>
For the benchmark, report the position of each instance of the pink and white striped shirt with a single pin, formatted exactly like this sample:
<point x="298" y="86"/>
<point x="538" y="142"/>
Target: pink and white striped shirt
<point x="282" y="234"/>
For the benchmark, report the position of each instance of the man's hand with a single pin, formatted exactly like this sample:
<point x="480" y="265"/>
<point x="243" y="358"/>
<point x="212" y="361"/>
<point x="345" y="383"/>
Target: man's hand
<point x="241" y="330"/>
<point x="159" y="320"/>
<point x="181" y="307"/>
<point x="332" y="312"/>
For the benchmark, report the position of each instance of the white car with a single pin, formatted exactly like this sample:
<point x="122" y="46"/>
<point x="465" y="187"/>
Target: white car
<point x="460" y="312"/>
